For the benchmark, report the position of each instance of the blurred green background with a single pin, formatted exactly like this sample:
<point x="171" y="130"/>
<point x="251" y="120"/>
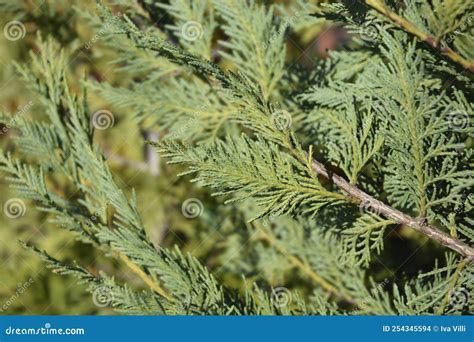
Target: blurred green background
<point x="26" y="286"/>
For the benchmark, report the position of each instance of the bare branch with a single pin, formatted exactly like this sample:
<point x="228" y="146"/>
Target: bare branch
<point x="411" y="28"/>
<point x="372" y="203"/>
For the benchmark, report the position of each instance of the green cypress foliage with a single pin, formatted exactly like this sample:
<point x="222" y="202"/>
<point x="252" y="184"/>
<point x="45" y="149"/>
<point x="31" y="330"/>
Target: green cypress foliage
<point x="317" y="168"/>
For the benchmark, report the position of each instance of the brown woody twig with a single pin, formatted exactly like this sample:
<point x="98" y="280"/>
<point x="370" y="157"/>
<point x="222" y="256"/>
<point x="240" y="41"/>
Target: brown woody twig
<point x="407" y="26"/>
<point x="377" y="206"/>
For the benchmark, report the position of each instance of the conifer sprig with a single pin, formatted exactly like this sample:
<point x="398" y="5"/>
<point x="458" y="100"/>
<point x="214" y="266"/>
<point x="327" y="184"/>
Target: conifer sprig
<point x="257" y="107"/>
<point x="409" y="27"/>
<point x="320" y="170"/>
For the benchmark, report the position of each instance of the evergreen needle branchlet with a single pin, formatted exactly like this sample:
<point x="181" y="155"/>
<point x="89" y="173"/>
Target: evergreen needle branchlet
<point x="317" y="168"/>
<point x="430" y="40"/>
<point x="245" y="91"/>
